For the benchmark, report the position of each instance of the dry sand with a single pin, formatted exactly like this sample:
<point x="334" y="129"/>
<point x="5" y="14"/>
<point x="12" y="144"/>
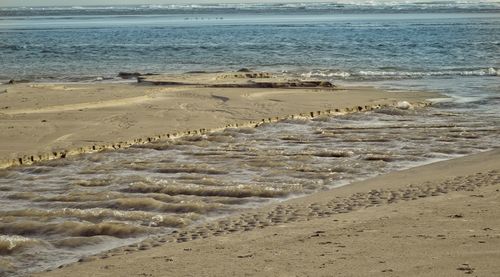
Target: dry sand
<point x="40" y="121"/>
<point x="436" y="220"/>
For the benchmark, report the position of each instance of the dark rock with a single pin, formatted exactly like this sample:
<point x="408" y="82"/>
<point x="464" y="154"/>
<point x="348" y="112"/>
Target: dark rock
<point x="245" y="256"/>
<point x="466" y="268"/>
<point x="456" y="216"/>
<point x="13" y="81"/>
<point x="326" y="84"/>
<point x="129" y="75"/>
<point x="244" y="70"/>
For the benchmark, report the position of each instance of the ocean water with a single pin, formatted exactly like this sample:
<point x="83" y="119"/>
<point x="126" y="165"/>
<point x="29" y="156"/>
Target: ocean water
<point x="63" y="210"/>
<point x="326" y="40"/>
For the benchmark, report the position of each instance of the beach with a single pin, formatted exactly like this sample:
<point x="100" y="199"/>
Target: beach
<point x="229" y="216"/>
<point x="261" y="139"/>
<point x="442" y="223"/>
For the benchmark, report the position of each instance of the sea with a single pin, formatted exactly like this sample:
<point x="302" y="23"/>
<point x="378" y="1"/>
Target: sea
<point x="57" y="212"/>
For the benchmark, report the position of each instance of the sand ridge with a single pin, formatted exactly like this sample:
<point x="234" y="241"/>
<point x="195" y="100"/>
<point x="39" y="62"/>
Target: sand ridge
<point x="434" y="220"/>
<point x="49" y="121"/>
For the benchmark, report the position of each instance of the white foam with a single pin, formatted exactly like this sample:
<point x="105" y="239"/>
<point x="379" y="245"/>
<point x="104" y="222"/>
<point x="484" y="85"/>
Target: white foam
<point x="328" y="73"/>
<point x="15" y="241"/>
<point x="404" y="105"/>
<point x="341" y="74"/>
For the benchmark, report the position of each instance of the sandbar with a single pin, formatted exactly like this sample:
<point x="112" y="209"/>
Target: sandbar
<point x="42" y="121"/>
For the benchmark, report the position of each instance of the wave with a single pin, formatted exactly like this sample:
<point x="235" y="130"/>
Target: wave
<point x="151" y="204"/>
<point x="97" y="214"/>
<point x="338" y="6"/>
<point x="398" y="74"/>
<point x="71" y="228"/>
<point x="11" y="244"/>
<point x="237" y="191"/>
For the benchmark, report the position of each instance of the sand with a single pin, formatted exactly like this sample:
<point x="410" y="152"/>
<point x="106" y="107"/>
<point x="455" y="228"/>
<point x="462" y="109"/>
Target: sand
<point x="435" y="220"/>
<point x="439" y="219"/>
<point x="41" y="121"/>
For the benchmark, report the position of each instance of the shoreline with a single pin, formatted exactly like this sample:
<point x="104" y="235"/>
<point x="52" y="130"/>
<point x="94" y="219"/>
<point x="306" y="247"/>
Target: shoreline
<point x="72" y="119"/>
<point x="375" y="220"/>
<point x="262" y="140"/>
<point x="86" y="118"/>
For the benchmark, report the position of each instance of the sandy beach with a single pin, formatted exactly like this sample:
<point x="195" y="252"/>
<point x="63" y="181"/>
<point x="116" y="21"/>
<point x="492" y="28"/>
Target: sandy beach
<point x="435" y="220"/>
<point x="275" y="138"/>
<point x="45" y="121"/>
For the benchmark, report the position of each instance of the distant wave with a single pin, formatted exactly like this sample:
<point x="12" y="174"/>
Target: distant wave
<point x="386" y="74"/>
<point x="339" y="7"/>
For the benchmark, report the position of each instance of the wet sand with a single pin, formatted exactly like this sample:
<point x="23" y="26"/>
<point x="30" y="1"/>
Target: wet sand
<point x="42" y="121"/>
<point x="434" y="220"/>
<point x="315" y="235"/>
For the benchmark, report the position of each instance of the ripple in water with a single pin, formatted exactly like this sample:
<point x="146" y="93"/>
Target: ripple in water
<point x="65" y="209"/>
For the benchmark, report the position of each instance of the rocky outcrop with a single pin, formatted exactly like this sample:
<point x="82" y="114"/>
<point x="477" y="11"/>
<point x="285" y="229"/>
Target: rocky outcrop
<point x="244" y="78"/>
<point x="19" y="81"/>
<point x="133" y="75"/>
<point x="129" y="75"/>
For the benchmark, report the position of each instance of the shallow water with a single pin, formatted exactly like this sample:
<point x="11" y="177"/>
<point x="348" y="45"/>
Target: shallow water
<point x="64" y="209"/>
